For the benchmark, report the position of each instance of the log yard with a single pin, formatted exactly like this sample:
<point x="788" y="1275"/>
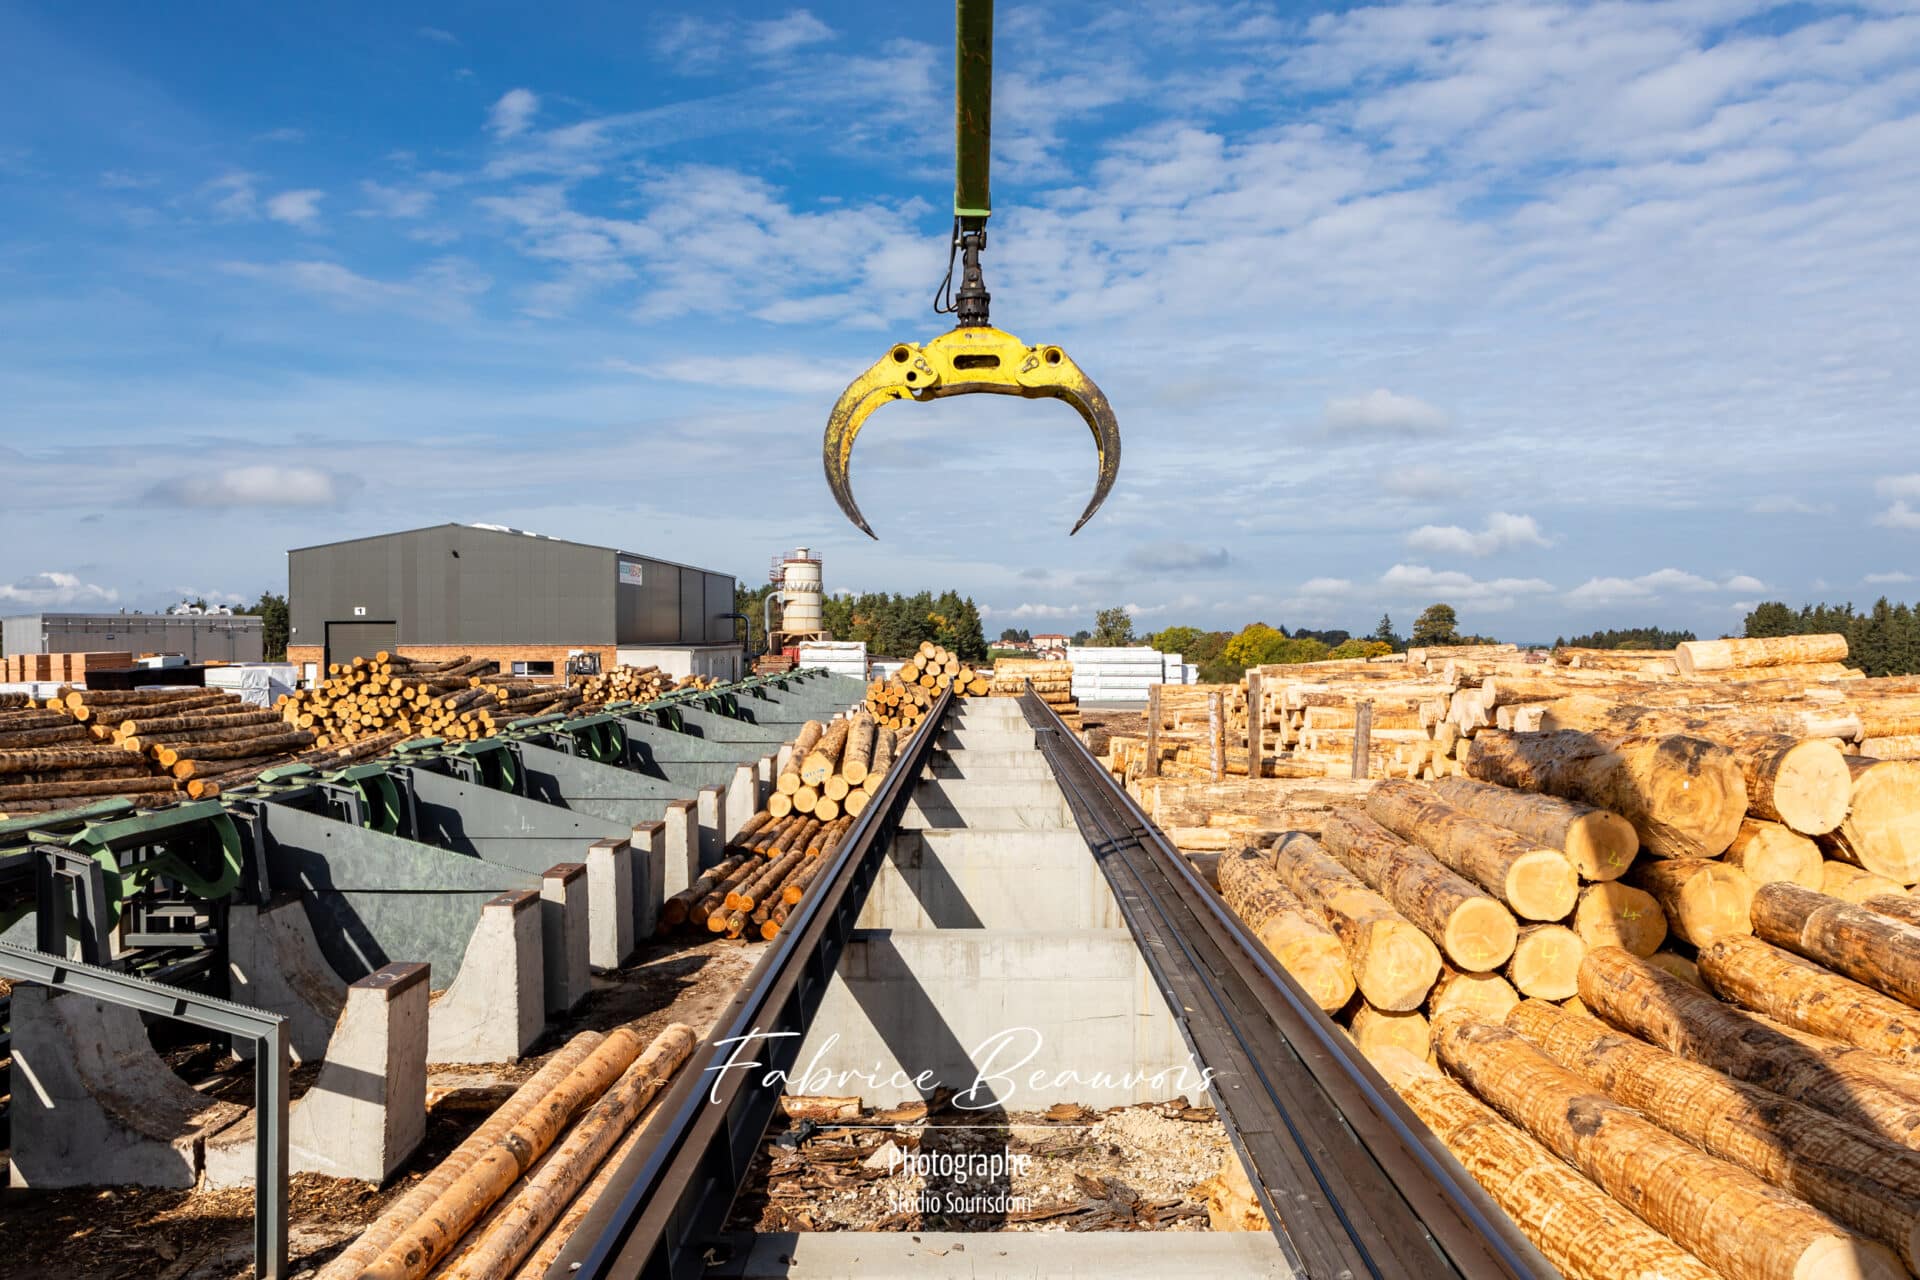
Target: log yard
<point x="485" y="904"/>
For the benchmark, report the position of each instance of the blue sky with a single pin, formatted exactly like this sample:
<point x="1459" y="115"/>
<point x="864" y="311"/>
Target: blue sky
<point x="1571" y="315"/>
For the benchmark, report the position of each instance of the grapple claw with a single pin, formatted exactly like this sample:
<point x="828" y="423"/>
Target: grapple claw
<point x="964" y="361"/>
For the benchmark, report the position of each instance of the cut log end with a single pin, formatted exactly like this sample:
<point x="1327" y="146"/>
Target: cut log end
<point x="1542" y="885"/>
<point x="1546" y="962"/>
<point x="1601" y="845"/>
<point x="1480" y="935"/>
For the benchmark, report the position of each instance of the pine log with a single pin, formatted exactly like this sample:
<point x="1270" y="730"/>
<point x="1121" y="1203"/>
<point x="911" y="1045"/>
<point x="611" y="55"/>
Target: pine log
<point x="674" y="910"/>
<point x="857" y="760"/>
<point x="1684" y="796"/>
<point x="749" y="895"/>
<point x="47" y="759"/>
<point x="806" y="799"/>
<point x="66" y="732"/>
<point x="1375" y="1029"/>
<point x="1703" y="898"/>
<point x="1582" y="1231"/>
<point x="513" y="1233"/>
<point x="1475" y="931"/>
<point x="85" y="787"/>
<point x="1773" y="651"/>
<point x="779" y="804"/>
<point x="1871" y="1185"/>
<point x="1802" y="784"/>
<point x="1297" y="936"/>
<point x="1487" y="995"/>
<point x="1801" y="994"/>
<point x="1536" y="882"/>
<point x="1903" y="907"/>
<point x="1600" y="844"/>
<point x="221" y="718"/>
<point x="1612" y="914"/>
<point x="1737" y="727"/>
<point x="1393" y="963"/>
<point x="1882" y="828"/>
<point x="1769" y="851"/>
<point x="1546" y="961"/>
<point x="1866" y="946"/>
<point x="1849" y="883"/>
<point x="1707" y="1206"/>
<point x="1646" y="1001"/>
<point x="820" y="763"/>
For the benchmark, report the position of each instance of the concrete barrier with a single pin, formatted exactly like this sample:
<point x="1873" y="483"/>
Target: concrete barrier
<point x="682" y="852"/>
<point x="274" y="962"/>
<point x="649" y="878"/>
<point x="367" y="1111"/>
<point x="742" y="799"/>
<point x="610" y="903"/>
<point x="711" y="807"/>
<point x="94" y="1105"/>
<point x="565" y="941"/>
<point x="496" y="1008"/>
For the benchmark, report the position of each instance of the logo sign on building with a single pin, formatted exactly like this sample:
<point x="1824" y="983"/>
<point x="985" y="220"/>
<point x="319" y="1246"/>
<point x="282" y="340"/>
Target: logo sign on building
<point x="632" y="573"/>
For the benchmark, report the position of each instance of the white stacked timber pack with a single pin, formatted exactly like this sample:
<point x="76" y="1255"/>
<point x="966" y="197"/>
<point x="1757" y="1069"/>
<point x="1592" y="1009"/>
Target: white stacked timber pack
<point x="839" y="657"/>
<point x="1116" y="674"/>
<point x="257" y="683"/>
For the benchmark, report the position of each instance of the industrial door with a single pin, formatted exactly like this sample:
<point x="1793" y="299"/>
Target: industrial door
<point x="349" y="640"/>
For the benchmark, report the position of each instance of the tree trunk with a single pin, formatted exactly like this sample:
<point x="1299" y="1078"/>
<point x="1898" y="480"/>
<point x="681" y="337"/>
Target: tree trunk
<point x="1769" y="852"/>
<point x="1618" y="915"/>
<point x="1600" y="844"/>
<point x="1772" y="651"/>
<point x="857" y="761"/>
<point x="1902" y="906"/>
<point x="1686" y="797"/>
<point x="26" y="739"/>
<point x="1393" y="963"/>
<point x="1727" y="725"/>
<point x="824" y="760"/>
<point x="1297" y="936"/>
<point x="1730" y="1219"/>
<point x="1582" y="1230"/>
<point x="85" y="787"/>
<point x="1703" y="898"/>
<point x="1801" y="994"/>
<point x="1475" y="931"/>
<point x="47" y="759"/>
<point x="1870" y="1185"/>
<point x="1868" y="947"/>
<point x="1485" y="995"/>
<point x="1882" y="828"/>
<point x="212" y="718"/>
<point x="1646" y="1001"/>
<point x="1375" y="1029"/>
<point x="1538" y="883"/>
<point x="1546" y="961"/>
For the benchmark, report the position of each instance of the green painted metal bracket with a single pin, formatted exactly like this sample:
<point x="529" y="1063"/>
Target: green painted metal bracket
<point x="199" y="848"/>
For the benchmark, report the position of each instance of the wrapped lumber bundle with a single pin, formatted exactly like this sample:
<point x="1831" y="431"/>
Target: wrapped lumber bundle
<point x="460" y="699"/>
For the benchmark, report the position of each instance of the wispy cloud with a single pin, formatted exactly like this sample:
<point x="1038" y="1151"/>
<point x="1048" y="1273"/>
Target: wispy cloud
<point x="1895" y="578"/>
<point x="1177" y="557"/>
<point x="261" y="485"/>
<point x="1383" y="412"/>
<point x="437" y="35"/>
<point x="296" y="208"/>
<point x="1610" y="591"/>
<point x="512" y="113"/>
<point x="1901" y="515"/>
<point x="55" y="590"/>
<point x="1501" y="532"/>
<point x="444" y="289"/>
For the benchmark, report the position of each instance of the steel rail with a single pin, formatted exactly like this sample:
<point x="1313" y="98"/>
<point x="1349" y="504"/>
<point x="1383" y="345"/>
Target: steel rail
<point x="1329" y="1140"/>
<point x="679" y="1189"/>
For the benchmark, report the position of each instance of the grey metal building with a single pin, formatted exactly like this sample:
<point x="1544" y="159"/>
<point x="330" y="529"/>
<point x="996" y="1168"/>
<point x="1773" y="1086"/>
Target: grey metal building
<point x="501" y="592"/>
<point x="202" y="637"/>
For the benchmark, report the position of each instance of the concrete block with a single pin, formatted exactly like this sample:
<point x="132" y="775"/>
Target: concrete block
<point x="367" y="1111"/>
<point x="742" y="792"/>
<point x="782" y="758"/>
<point x="990" y="880"/>
<point x="649" y="878"/>
<point x="496" y="1006"/>
<point x="711" y="808"/>
<point x="94" y="1105"/>
<point x="610" y="903"/>
<point x="682" y="853"/>
<point x="565" y="907"/>
<point x="274" y="963"/>
<point x="764" y="777"/>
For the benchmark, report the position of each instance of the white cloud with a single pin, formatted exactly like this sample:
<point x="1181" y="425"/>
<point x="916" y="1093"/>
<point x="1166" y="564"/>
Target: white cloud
<point x="1177" y="557"/>
<point x="513" y="113"/>
<point x="397" y="202"/>
<point x="233" y="195"/>
<point x="792" y="375"/>
<point x="296" y="208"/>
<point x="1503" y="532"/>
<point x="1326" y="587"/>
<point x="53" y="590"/>
<point x="1895" y="578"/>
<point x="1907" y="486"/>
<point x="437" y="35"/>
<point x="1385" y="412"/>
<point x="1900" y="515"/>
<point x="1787" y="505"/>
<point x="1742" y="582"/>
<point x="262" y="485"/>
<point x="777" y="36"/>
<point x="1418" y="481"/>
<point x="1608" y="591"/>
<point x="443" y="289"/>
<point x="1411" y="580"/>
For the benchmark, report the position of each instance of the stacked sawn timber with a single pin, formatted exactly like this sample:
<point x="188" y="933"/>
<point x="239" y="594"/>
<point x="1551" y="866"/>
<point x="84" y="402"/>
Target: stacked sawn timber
<point x="1052" y="682"/>
<point x="831" y="772"/>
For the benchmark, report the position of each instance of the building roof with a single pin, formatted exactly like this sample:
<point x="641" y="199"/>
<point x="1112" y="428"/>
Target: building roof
<point x="508" y="531"/>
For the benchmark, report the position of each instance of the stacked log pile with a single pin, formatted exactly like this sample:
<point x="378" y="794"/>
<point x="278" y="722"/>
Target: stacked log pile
<point x="901" y="701"/>
<point x="830" y="774"/>
<point x="459" y="698"/>
<point x="1052" y="681"/>
<point x="509" y="1198"/>
<point x="634" y="684"/>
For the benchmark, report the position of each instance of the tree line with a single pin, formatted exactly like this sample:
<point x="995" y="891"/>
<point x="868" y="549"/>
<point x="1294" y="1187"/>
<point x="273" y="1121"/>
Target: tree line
<point x="893" y="626"/>
<point x="1881" y="641"/>
<point x="1626" y="638"/>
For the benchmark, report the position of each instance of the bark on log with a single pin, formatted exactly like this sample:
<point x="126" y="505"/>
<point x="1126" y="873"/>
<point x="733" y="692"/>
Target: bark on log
<point x="1773" y="651"/>
<point x="1641" y="998"/>
<point x="1476" y="931"/>
<point x="1729" y="725"/>
<point x="1537" y="882"/>
<point x="53" y="736"/>
<point x="1867" y="1183"/>
<point x="1802" y="994"/>
<point x="1393" y="963"/>
<point x="1599" y="843"/>
<point x="48" y="759"/>
<point x="86" y="787"/>
<point x="1903" y="906"/>
<point x="821" y="763"/>
<point x="1878" y="950"/>
<point x="1707" y="1206"/>
<point x="1582" y="1231"/>
<point x="1296" y="935"/>
<point x="1618" y="915"/>
<point x="1769" y="852"/>
<point x="1703" y="898"/>
<point x="1546" y="961"/>
<point x="1882" y="828"/>
<point x="1685" y="796"/>
<point x="1802" y="784"/>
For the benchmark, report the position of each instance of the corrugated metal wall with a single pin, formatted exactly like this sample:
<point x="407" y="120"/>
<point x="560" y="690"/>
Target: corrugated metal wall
<point x="204" y="638"/>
